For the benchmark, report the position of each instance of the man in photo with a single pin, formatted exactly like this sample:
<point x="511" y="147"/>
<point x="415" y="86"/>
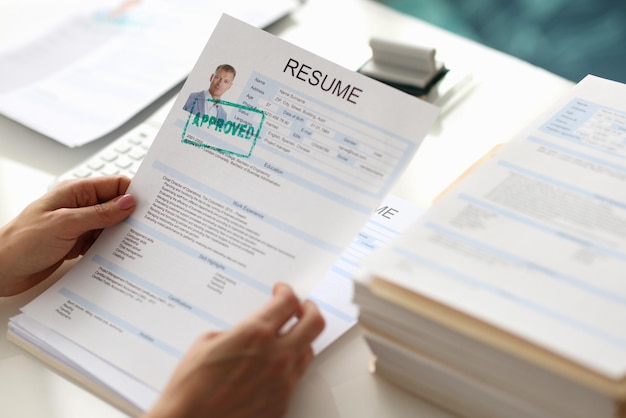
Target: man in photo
<point x="206" y="102"/>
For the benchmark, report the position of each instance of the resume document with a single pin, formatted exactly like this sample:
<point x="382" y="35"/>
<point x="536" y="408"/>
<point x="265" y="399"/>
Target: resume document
<point x="272" y="187"/>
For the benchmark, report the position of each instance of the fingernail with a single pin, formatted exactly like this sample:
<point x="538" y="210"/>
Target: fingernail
<point x="126" y="201"/>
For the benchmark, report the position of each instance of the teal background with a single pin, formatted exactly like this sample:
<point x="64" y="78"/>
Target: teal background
<point x="571" y="38"/>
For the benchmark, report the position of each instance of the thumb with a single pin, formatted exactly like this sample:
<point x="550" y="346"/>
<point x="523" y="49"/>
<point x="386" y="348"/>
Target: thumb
<point x="104" y="215"/>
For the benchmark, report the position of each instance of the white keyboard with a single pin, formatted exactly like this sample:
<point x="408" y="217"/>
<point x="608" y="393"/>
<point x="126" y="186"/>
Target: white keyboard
<point x="125" y="154"/>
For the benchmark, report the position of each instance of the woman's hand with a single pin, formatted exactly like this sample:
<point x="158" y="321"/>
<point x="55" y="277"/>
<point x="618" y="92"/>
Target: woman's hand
<point x="249" y="371"/>
<point x="59" y="226"/>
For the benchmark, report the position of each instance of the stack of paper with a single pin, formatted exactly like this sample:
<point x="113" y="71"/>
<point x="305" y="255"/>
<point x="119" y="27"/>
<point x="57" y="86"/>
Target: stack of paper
<point x="508" y="297"/>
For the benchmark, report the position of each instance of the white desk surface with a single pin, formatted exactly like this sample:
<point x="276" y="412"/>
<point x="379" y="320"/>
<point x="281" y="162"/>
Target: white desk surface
<point x="508" y="94"/>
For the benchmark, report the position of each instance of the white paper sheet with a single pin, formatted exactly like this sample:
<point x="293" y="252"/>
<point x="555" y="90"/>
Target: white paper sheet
<point x="333" y="296"/>
<point x="226" y="210"/>
<point x="94" y="67"/>
<point x="534" y="241"/>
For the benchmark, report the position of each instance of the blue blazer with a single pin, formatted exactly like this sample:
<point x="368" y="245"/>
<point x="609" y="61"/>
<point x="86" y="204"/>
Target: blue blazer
<point x="195" y="104"/>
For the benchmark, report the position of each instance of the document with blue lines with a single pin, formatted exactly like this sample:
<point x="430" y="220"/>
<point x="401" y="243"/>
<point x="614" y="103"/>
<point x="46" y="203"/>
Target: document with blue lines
<point x="534" y="241"/>
<point x="273" y="186"/>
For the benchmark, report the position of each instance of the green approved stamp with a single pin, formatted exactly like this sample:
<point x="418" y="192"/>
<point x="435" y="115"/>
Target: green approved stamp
<point x="236" y="134"/>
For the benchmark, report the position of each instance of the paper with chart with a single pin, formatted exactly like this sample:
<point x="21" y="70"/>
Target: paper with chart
<point x="275" y="190"/>
<point x="534" y="241"/>
<point x="99" y="63"/>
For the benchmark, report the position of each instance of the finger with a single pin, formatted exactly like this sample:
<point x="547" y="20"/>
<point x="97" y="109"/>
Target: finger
<point x="308" y="328"/>
<point x="87" y="192"/>
<point x="75" y="222"/>
<point x="283" y="306"/>
<point x="109" y="188"/>
<point x="107" y="214"/>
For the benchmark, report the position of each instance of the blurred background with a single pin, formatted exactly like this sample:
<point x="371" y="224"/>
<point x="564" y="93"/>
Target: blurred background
<point x="571" y="38"/>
